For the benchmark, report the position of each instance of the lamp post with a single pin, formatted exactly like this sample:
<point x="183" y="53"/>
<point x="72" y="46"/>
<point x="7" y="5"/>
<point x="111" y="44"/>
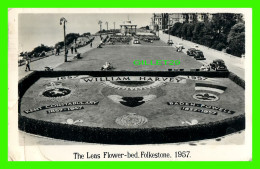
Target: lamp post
<point x="107" y="27"/>
<point x="114" y="26"/>
<point x="169" y="28"/>
<point x="63" y="20"/>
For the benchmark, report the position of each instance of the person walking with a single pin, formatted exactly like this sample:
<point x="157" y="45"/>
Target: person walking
<point x="58" y="50"/>
<point x="71" y="49"/>
<point x="75" y="47"/>
<point x="27" y="65"/>
<point x="91" y="44"/>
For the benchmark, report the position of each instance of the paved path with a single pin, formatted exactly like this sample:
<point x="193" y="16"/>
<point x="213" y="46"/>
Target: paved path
<point x="234" y="64"/>
<point x="54" y="61"/>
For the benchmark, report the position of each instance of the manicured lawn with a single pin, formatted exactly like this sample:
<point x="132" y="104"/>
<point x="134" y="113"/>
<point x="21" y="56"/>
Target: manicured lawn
<point x="123" y="56"/>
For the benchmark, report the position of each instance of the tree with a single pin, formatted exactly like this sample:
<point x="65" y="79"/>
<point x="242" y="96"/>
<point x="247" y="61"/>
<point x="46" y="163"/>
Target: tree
<point x="40" y="49"/>
<point x="236" y="40"/>
<point x="236" y="30"/>
<point x="59" y="44"/>
<point x="198" y="32"/>
<point x="189" y="34"/>
<point x="183" y="30"/>
<point x="175" y="29"/>
<point x="71" y="37"/>
<point x="221" y="26"/>
<point x="208" y="37"/>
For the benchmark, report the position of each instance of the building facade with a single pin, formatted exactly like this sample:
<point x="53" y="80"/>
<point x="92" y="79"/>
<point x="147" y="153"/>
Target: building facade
<point x="128" y="28"/>
<point x="162" y="21"/>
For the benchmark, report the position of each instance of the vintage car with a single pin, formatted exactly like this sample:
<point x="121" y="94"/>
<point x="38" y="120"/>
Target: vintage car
<point x="170" y="42"/>
<point x="191" y="51"/>
<point x="218" y="65"/>
<point x="136" y="41"/>
<point x="198" y="55"/>
<point x="148" y="40"/>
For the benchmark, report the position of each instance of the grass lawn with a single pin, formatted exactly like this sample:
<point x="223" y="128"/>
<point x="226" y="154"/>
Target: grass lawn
<point x="123" y="56"/>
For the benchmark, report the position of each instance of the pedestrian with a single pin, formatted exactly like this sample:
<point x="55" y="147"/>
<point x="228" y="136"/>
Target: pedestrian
<point x="27" y="64"/>
<point x="91" y="44"/>
<point x="71" y="49"/>
<point x="208" y="67"/>
<point x="58" y="51"/>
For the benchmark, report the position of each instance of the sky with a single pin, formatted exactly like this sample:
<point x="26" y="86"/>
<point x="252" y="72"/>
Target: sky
<point x="37" y="29"/>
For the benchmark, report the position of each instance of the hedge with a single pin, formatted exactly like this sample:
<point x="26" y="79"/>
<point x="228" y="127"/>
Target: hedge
<point x="131" y="136"/>
<point x="240" y="82"/>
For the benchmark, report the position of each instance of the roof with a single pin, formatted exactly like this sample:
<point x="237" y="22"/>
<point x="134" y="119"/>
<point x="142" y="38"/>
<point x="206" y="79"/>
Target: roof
<point x="218" y="60"/>
<point x="127" y="23"/>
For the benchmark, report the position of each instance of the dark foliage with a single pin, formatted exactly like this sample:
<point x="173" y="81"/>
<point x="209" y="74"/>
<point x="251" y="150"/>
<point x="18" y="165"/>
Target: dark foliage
<point x="223" y="32"/>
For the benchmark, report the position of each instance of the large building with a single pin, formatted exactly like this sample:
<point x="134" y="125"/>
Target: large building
<point x="163" y="20"/>
<point x="159" y="20"/>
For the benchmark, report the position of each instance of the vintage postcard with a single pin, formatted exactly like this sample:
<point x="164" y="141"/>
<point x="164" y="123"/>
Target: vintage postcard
<point x="110" y="84"/>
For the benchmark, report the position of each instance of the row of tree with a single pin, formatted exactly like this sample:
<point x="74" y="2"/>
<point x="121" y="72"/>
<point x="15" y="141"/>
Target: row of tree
<point x="40" y="50"/>
<point x="223" y="32"/>
<point x="70" y="38"/>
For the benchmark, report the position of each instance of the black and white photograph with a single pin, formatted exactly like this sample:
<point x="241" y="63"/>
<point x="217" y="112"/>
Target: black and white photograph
<point x="130" y="84"/>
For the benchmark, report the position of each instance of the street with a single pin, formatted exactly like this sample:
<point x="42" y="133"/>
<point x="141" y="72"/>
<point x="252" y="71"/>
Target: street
<point x="234" y="64"/>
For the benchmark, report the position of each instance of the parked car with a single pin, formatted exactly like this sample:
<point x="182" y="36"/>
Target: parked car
<point x="191" y="51"/>
<point x="148" y="40"/>
<point x="198" y="55"/>
<point x="170" y="42"/>
<point x="136" y="41"/>
<point x="218" y="65"/>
